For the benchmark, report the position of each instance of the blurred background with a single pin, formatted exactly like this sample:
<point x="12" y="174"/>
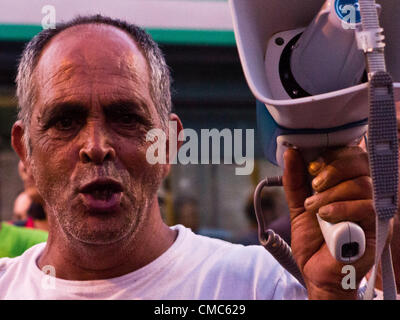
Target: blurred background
<point x="209" y="91"/>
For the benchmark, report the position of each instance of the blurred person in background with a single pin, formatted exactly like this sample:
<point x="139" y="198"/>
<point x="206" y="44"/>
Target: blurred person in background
<point x="29" y="210"/>
<point x="37" y="218"/>
<point x="26" y="176"/>
<point x="15" y="240"/>
<point x="281" y="226"/>
<point x="17" y="235"/>
<point x="280" y="223"/>
<point x="21" y="206"/>
<point x="187" y="213"/>
<point x="23" y="201"/>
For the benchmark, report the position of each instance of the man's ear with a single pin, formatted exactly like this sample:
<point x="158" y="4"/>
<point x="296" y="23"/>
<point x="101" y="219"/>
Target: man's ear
<point x="173" y="147"/>
<point x="179" y="129"/>
<point x="17" y="140"/>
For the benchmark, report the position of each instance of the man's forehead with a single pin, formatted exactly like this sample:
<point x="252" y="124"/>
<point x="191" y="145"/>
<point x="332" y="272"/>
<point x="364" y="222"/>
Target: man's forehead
<point x="92" y="61"/>
<point x="91" y="47"/>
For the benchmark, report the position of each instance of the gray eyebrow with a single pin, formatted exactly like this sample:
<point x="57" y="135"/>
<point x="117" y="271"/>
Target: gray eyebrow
<point x="64" y="108"/>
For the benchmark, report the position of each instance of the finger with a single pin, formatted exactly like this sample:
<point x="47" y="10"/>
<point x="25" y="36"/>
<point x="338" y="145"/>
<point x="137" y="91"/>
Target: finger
<point x="358" y="211"/>
<point x="295" y="182"/>
<point x="356" y="189"/>
<point x="316" y="166"/>
<point x="332" y="154"/>
<point x="340" y="170"/>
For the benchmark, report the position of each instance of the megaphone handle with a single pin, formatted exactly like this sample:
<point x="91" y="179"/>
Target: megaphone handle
<point x="345" y="240"/>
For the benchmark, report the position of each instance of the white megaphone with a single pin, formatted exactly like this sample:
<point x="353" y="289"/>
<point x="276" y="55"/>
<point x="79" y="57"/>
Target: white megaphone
<point x="303" y="64"/>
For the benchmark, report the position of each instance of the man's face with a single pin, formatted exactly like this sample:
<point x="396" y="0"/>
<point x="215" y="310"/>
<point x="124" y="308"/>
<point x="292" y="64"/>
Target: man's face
<point x="88" y="134"/>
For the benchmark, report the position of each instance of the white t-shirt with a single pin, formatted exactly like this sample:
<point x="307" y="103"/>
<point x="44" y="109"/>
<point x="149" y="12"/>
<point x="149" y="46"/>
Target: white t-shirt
<point x="194" y="267"/>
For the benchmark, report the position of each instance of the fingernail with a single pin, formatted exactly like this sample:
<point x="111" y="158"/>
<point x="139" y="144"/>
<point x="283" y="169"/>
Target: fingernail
<point x="309" y="201"/>
<point x="324" y="211"/>
<point x="315" y="166"/>
<point x="317" y="182"/>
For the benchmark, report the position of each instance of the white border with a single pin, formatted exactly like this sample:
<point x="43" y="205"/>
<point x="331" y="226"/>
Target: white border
<point x="164" y="14"/>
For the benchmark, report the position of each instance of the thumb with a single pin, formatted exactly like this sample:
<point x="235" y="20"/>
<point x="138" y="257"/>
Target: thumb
<point x="295" y="182"/>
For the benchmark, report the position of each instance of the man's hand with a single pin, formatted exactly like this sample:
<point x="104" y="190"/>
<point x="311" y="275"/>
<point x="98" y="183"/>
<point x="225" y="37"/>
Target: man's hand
<point x="343" y="193"/>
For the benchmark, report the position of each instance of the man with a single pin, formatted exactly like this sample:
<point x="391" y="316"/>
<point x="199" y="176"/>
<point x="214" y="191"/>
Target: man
<point x="14" y="239"/>
<point x="28" y="210"/>
<point x="23" y="200"/>
<point x="88" y="92"/>
<point x="26" y="176"/>
<point x="186" y="210"/>
<point x="37" y="218"/>
<point x="269" y="201"/>
<point x="21" y="206"/>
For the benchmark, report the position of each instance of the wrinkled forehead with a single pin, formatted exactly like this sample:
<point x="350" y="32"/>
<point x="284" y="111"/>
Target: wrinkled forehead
<point x="92" y="50"/>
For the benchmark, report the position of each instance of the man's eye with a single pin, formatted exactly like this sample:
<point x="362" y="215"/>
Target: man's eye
<point x="127" y="119"/>
<point x="65" y="124"/>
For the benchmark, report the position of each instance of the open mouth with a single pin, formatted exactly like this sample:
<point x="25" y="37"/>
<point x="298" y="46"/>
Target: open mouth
<point x="102" y="195"/>
<point x="101" y="191"/>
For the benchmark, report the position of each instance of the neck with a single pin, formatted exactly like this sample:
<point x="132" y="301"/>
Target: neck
<point x="78" y="261"/>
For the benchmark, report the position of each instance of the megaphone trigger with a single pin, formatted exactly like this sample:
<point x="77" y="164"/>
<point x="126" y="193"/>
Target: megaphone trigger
<point x="345" y="240"/>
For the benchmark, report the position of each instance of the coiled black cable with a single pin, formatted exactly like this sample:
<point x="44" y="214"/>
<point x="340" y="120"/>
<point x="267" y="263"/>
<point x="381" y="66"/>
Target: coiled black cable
<point x="271" y="241"/>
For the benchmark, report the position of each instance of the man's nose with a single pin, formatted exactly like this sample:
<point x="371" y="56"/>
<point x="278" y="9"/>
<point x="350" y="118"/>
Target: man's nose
<point x="97" y="146"/>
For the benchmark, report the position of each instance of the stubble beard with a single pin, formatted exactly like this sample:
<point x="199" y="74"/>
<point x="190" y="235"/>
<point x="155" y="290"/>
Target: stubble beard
<point x="75" y="225"/>
<point x="68" y="219"/>
<point x="72" y="221"/>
